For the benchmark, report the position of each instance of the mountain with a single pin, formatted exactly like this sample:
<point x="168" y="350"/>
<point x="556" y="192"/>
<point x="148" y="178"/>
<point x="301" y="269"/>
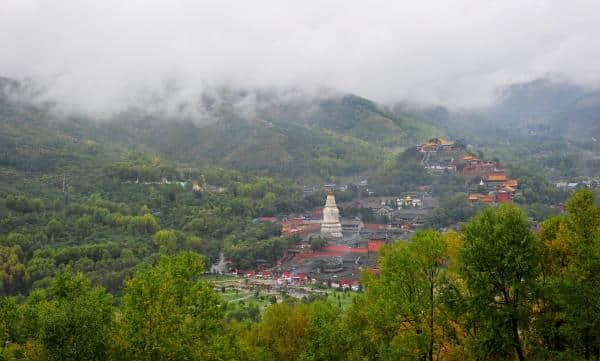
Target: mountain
<point x="286" y="133"/>
<point x="541" y="109"/>
<point x="549" y="108"/>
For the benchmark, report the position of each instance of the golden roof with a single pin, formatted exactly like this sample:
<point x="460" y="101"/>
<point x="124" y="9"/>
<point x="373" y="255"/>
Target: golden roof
<point x="445" y="141"/>
<point x="497" y="177"/>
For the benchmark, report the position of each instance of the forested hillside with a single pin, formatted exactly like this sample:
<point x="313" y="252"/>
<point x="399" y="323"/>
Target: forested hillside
<point x="102" y="196"/>
<point x="496" y="290"/>
<point x="316" y="138"/>
<point x="113" y="223"/>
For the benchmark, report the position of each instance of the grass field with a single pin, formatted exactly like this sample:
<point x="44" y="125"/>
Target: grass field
<point x="340" y="298"/>
<point x="240" y="298"/>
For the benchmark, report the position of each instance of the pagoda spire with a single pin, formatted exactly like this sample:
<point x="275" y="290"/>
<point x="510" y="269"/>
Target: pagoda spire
<point x="331" y="227"/>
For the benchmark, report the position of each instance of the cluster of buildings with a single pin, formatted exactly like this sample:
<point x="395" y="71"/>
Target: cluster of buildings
<point x="298" y="279"/>
<point x="571" y="185"/>
<point x="438" y="155"/>
<point x="351" y="246"/>
<point x="472" y="167"/>
<point x="333" y="187"/>
<point x="488" y="181"/>
<point x="437" y="145"/>
<point x="403" y="213"/>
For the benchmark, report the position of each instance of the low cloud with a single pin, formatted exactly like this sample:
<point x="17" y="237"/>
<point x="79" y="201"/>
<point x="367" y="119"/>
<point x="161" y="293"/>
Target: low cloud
<point x="102" y="56"/>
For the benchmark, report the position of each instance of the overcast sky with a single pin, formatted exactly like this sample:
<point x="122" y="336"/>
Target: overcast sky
<point x="99" y="52"/>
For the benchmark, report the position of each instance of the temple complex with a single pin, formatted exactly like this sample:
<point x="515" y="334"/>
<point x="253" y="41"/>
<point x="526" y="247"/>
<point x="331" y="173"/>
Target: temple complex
<point x="331" y="227"/>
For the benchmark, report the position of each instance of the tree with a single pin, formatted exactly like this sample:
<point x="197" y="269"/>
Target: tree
<point x="54" y="228"/>
<point x="316" y="243"/>
<point x="77" y="323"/>
<point x="13" y="275"/>
<point x="166" y="240"/>
<point x="397" y="315"/>
<point x="324" y="339"/>
<point x="145" y="224"/>
<point x="500" y="264"/>
<point x="167" y="314"/>
<point x="194" y="243"/>
<point x="145" y="210"/>
<point x="571" y="248"/>
<point x="282" y="331"/>
<point x="9" y="321"/>
<point x="18" y="239"/>
<point x="83" y="225"/>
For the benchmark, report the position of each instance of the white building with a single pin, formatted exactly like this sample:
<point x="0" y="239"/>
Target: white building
<point x="330" y="226"/>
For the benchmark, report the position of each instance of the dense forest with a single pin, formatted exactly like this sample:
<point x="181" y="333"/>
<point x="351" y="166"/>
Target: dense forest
<point x="494" y="290"/>
<point x="106" y="239"/>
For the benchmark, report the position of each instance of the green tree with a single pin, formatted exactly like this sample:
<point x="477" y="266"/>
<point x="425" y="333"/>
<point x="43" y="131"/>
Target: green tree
<point x="571" y="309"/>
<point x="54" y="228"/>
<point x="167" y="314"/>
<point x="316" y="243"/>
<point x="83" y="225"/>
<point x="166" y="240"/>
<point x="18" y="239"/>
<point x="77" y="323"/>
<point x="145" y="210"/>
<point x="194" y="243"/>
<point x="282" y="331"/>
<point x="13" y="275"/>
<point x="397" y="317"/>
<point x="324" y="338"/>
<point x="500" y="264"/>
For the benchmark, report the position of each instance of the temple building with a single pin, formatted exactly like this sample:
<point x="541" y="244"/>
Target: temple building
<point x="331" y="227"/>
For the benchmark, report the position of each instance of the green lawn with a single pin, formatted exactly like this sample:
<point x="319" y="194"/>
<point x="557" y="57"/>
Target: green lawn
<point x="243" y="298"/>
<point x="341" y="298"/>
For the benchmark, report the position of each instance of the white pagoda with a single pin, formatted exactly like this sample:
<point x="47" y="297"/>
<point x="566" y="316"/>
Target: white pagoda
<point x="331" y="227"/>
